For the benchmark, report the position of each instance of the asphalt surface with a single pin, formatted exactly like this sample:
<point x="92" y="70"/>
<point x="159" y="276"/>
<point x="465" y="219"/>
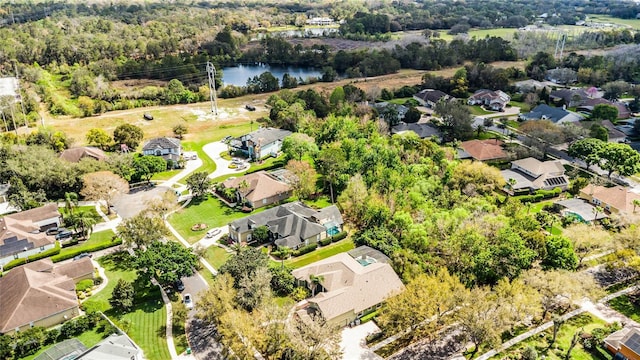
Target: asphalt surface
<point x="131" y="204"/>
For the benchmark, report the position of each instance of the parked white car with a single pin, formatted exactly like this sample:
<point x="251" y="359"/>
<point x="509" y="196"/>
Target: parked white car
<point x="188" y="301"/>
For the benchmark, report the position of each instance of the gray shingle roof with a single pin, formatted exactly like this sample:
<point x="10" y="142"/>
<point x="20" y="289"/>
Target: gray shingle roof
<point x="161" y="143"/>
<point x="547" y="112"/>
<point x="422" y="130"/>
<point x="265" y="136"/>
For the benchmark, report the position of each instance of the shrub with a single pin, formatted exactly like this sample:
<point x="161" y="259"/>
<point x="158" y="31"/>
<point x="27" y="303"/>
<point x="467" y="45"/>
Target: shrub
<point x="71" y="253"/>
<point x="305" y="250"/>
<point x="84" y="285"/>
<point x="42" y="255"/>
<point x="325" y="242"/>
<point x="369" y="316"/>
<point x="339" y="236"/>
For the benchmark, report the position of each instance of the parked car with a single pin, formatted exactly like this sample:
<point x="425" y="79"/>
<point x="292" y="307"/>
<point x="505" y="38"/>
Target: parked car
<point x="83" y="255"/>
<point x="227" y="138"/>
<point x="147" y="116"/>
<point x="55" y="230"/>
<point x="179" y="285"/>
<point x="64" y="235"/>
<point x="188" y="302"/>
<point x="213" y="232"/>
<point x="250" y="107"/>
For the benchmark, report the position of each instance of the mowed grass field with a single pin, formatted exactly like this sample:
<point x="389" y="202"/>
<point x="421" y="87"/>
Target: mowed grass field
<point x="634" y="23"/>
<point x="321" y="253"/>
<point x="146" y="322"/>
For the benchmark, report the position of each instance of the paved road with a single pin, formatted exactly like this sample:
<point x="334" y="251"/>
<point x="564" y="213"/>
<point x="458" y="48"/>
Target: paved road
<point x="194" y="285"/>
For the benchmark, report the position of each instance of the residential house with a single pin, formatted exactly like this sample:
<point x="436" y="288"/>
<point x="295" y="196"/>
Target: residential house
<point x="423" y="130"/>
<point x="430" y="97"/>
<point x="532" y="174"/>
<point x="624" y="343"/>
<point x="320" y="21"/>
<point x="390" y="111"/>
<point x="115" y="347"/>
<point x="40" y="294"/>
<point x="482" y="150"/>
<point x="615" y="135"/>
<point x="553" y="114"/>
<point x="580" y="210"/>
<point x="571" y="97"/>
<point x="494" y="100"/>
<point x="616" y="199"/>
<point x="349" y="285"/>
<point x="530" y="85"/>
<point x="292" y="225"/>
<point x="261" y="189"/>
<point x="5" y="206"/>
<point x="589" y="104"/>
<point x="168" y="148"/>
<point x="259" y="144"/>
<point x="78" y="153"/>
<point x="23" y="234"/>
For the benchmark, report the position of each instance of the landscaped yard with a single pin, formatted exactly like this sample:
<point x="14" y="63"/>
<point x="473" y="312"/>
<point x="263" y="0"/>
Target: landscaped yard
<point x="90" y="210"/>
<point x="95" y="239"/>
<point x="165" y="175"/>
<point x="320" y="253"/>
<point x="145" y="323"/>
<point x="585" y="322"/>
<point x="216" y="256"/>
<point x="212" y="212"/>
<point x="478" y="110"/>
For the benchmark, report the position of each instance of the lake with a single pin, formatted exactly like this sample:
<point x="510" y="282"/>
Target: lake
<point x="238" y="75"/>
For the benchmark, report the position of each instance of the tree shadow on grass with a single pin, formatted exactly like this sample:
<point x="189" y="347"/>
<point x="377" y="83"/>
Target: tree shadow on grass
<point x="121" y="261"/>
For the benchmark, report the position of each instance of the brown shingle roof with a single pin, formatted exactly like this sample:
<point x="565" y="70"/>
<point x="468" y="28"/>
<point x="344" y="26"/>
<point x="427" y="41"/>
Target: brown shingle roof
<point x="618" y="197"/>
<point x="27" y="295"/>
<point x="483" y="150"/>
<point x="261" y="186"/>
<point x="75" y="269"/>
<point x="38" y="214"/>
<point x="20" y="231"/>
<point x="350" y="285"/>
<point x="75" y="154"/>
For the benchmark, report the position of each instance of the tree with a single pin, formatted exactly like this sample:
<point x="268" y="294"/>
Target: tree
<point x="84" y="221"/>
<point x="282" y="281"/>
<point x="620" y="158"/>
<point x="481" y="318"/>
<point x="147" y="165"/>
<point x="353" y="200"/>
<point x="615" y="89"/>
<point x="199" y="184"/>
<point x="98" y="137"/>
<point x="331" y="160"/>
<point x="217" y="300"/>
<point x="254" y="289"/>
<point x="456" y="120"/>
<point x="604" y="112"/>
<point x="423" y="304"/>
<point x="297" y="145"/>
<point x="261" y="234"/>
<point x="559" y="254"/>
<point x="142" y="229"/>
<point x="21" y="198"/>
<point x="122" y="296"/>
<point x="587" y="150"/>
<point x="587" y="240"/>
<point x="163" y="205"/>
<point x="635" y="204"/>
<point x="314" y="339"/>
<point x="129" y="135"/>
<point x="302" y="178"/>
<point x="599" y="132"/>
<point x="166" y="262"/>
<point x="103" y="186"/>
<point x="413" y="115"/>
<point x="179" y="130"/>
<point x="245" y="263"/>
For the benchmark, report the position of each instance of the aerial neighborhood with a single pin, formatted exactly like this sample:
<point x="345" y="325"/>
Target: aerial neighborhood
<point x="319" y="180"/>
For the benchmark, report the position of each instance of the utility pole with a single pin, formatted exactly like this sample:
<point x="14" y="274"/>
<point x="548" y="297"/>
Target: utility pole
<point x="13" y="117"/>
<point x="6" y="127"/>
<point x="560" y="45"/>
<point x="211" y="72"/>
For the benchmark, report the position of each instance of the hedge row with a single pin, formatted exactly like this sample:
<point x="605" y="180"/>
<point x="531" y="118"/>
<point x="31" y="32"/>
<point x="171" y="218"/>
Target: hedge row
<point x="305" y="250"/>
<point x="540" y="195"/>
<point x="74" y="252"/>
<point x="32" y="258"/>
<point x="325" y="242"/>
<point x="276" y="165"/>
<point x="339" y="236"/>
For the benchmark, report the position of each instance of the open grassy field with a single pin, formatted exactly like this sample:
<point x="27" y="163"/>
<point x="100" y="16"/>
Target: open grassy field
<point x="585" y="323"/>
<point x="505" y="33"/>
<point x="634" y="23"/>
<point x="146" y="321"/>
<point x="321" y="253"/>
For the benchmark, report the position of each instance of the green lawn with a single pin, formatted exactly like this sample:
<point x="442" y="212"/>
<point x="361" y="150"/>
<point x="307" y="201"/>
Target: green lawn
<point x="478" y="110"/>
<point x="212" y="212"/>
<point x="321" y="253"/>
<point x="585" y="322"/>
<point x="624" y="306"/>
<point x="634" y="23"/>
<point x="537" y="207"/>
<point x="524" y="107"/>
<point x="216" y="256"/>
<point x="146" y="322"/>
<point x="165" y="175"/>
<point x="96" y="238"/>
<point x="90" y="210"/>
<point x="319" y="203"/>
<point x="400" y="101"/>
<point x="88" y="339"/>
<point x="505" y="33"/>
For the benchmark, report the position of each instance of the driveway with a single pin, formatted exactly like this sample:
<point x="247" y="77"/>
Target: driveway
<point x="213" y="150"/>
<point x="131" y="204"/>
<point x="354" y="342"/>
<point x="194" y="285"/>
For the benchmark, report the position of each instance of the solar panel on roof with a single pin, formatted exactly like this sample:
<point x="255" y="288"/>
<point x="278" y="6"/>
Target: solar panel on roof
<point x="12" y="246"/>
<point x="633" y="343"/>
